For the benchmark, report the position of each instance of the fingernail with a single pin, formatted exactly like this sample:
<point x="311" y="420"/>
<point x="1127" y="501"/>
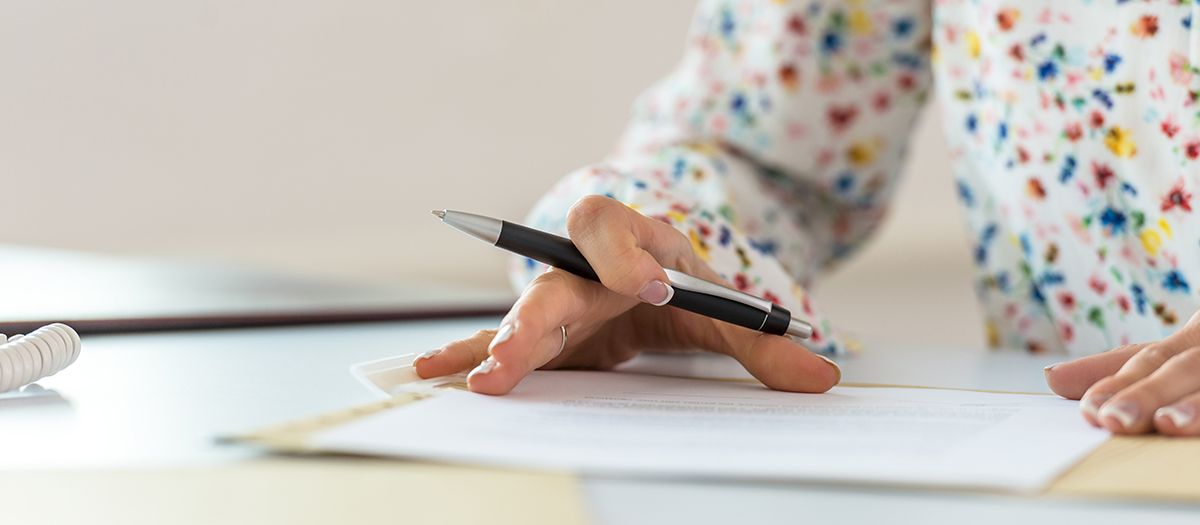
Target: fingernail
<point x="1091" y="404"/>
<point x="836" y="368"/>
<point x="503" y="335"/>
<point x="1046" y="371"/>
<point x="657" y="293"/>
<point x="428" y="354"/>
<point x="1181" y="415"/>
<point x="486" y="366"/>
<point x="1125" y="411"/>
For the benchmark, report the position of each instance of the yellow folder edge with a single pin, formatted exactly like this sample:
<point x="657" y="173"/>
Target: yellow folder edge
<point x="296" y="489"/>
<point x="1134" y="467"/>
<point x="307" y="490"/>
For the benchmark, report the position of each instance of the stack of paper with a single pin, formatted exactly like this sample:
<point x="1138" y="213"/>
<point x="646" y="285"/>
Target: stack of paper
<point x="627" y="424"/>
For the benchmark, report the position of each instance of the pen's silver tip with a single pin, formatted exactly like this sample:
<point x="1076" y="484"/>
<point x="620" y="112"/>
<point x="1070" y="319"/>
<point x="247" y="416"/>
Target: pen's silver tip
<point x="799" y="328"/>
<point x="440" y="214"/>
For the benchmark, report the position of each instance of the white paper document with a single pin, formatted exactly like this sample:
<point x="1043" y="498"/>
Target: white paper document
<point x="606" y="423"/>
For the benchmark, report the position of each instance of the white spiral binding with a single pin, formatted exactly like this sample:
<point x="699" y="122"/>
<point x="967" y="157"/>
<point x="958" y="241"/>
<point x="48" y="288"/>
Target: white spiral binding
<point x="41" y="353"/>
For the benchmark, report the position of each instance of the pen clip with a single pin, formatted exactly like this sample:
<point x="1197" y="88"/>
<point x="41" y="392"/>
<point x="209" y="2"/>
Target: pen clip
<point x="684" y="281"/>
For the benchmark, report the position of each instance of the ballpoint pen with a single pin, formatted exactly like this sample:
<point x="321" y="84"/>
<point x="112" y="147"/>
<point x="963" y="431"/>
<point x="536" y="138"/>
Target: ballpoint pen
<point x="691" y="293"/>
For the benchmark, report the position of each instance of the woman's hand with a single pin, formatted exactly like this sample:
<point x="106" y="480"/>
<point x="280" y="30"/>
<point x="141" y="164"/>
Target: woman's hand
<point x="1138" y="388"/>
<point x="610" y="323"/>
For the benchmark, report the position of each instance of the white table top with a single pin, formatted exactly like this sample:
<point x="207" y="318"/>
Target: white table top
<point x="159" y="400"/>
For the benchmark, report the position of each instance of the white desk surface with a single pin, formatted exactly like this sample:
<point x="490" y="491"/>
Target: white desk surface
<point x="158" y="400"/>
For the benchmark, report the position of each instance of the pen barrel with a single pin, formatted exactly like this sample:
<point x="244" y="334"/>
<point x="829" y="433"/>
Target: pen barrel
<point x="561" y="253"/>
<point x="723" y="309"/>
<point x="778" y="321"/>
<point x="551" y="249"/>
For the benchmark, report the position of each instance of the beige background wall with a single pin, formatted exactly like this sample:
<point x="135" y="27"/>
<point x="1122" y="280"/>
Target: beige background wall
<point x="316" y="136"/>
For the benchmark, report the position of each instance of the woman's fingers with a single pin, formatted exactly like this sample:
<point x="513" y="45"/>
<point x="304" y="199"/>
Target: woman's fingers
<point x="1132" y="409"/>
<point x="531" y="334"/>
<point x="627" y="249"/>
<point x="1073" y="378"/>
<point x="628" y="252"/>
<point x="496" y="377"/>
<point x="781" y="364"/>
<point x="454" y="357"/>
<point x="1124" y="389"/>
<point x="1144" y="362"/>
<point x="778" y="361"/>
<point x="528" y="337"/>
<point x="1181" y="418"/>
<point x="488" y="375"/>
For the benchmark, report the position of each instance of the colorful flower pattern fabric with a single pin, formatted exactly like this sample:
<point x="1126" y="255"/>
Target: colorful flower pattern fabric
<point x="1074" y="130"/>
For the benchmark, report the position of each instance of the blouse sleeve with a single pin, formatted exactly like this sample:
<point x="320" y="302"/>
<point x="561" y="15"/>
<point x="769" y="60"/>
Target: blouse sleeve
<point x="774" y="146"/>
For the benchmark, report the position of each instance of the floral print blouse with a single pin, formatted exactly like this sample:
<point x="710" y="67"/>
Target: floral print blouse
<point x="1073" y="126"/>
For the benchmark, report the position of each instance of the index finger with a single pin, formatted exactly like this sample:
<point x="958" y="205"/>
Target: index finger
<point x="1073" y="378"/>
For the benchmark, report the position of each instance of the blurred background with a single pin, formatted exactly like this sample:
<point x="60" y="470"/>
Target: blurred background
<point x="313" y="138"/>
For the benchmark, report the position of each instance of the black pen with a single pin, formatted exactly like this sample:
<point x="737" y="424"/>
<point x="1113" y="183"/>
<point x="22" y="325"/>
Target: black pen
<point x="691" y="293"/>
